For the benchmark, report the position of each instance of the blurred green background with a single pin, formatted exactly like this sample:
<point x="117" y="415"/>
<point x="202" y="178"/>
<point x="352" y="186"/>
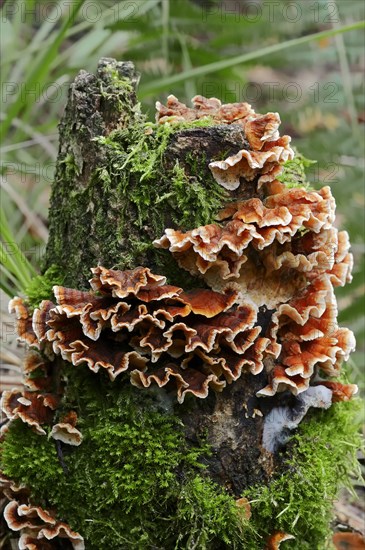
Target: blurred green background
<point x="257" y="51"/>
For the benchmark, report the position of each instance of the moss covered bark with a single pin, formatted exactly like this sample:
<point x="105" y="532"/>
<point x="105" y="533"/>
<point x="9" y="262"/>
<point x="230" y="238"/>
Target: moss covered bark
<point x="121" y="180"/>
<point x="151" y="473"/>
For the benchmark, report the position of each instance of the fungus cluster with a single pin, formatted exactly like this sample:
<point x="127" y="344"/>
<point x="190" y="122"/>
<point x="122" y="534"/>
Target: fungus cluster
<point x="263" y="150"/>
<point x="281" y="253"/>
<point x="133" y="322"/>
<point x="38" y="528"/>
<point x="269" y="265"/>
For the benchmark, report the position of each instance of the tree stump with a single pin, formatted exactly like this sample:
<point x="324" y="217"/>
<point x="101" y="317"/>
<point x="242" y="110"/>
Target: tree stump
<point x="119" y="183"/>
<point x="84" y="216"/>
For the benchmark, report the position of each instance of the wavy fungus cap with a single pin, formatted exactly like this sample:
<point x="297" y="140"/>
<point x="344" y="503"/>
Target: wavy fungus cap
<point x="266" y="151"/>
<point x="38" y="526"/>
<point x="274" y="540"/>
<point x="156" y="333"/>
<point x="65" y="430"/>
<point x="176" y="111"/>
<point x="32" y="408"/>
<point x="193" y="340"/>
<point x="284" y="254"/>
<point x="24" y="326"/>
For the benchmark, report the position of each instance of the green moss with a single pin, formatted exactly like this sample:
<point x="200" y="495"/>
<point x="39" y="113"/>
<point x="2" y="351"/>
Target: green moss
<point x="133" y="482"/>
<point x="294" y="174"/>
<point x="116" y="91"/>
<point x="117" y="82"/>
<point x="152" y="193"/>
<point x="40" y="287"/>
<point x="30" y="457"/>
<point x="70" y="165"/>
<point x="190" y="200"/>
<point x="195" y="201"/>
<point x="319" y="460"/>
<point x="207" y="518"/>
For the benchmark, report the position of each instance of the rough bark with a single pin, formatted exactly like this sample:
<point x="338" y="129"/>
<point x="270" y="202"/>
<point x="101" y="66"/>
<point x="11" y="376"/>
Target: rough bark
<point x="95" y="107"/>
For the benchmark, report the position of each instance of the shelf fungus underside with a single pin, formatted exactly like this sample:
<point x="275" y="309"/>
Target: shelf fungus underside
<point x="277" y="253"/>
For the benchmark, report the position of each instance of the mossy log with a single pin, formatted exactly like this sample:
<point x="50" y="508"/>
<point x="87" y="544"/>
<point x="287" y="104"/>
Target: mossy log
<point x="152" y="473"/>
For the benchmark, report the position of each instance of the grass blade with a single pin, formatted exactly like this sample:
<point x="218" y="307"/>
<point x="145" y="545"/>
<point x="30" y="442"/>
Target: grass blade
<point x="39" y="71"/>
<point x="12" y="258"/>
<point x="166" y="82"/>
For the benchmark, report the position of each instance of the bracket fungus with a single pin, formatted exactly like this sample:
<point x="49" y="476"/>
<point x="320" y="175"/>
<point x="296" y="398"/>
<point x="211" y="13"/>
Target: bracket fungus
<point x="39" y="529"/>
<point x="65" y="430"/>
<point x="276" y="539"/>
<point x="32" y="408"/>
<point x="264" y="152"/>
<point x="132" y="320"/>
<point x="38" y="526"/>
<point x="283" y="253"/>
<point x="263" y="306"/>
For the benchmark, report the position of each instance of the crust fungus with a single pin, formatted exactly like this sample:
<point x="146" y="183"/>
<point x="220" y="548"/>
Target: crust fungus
<point x="266" y="233"/>
<point x="37" y="405"/>
<point x="32" y="408"/>
<point x="280" y="421"/>
<point x="279" y="252"/>
<point x="38" y="526"/>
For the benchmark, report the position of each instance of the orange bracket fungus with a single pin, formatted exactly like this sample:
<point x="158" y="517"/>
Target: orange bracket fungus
<point x="276" y="539"/>
<point x="266" y="153"/>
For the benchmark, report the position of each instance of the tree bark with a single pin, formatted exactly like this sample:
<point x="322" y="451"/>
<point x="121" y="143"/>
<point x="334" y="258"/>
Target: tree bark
<point x="95" y="107"/>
